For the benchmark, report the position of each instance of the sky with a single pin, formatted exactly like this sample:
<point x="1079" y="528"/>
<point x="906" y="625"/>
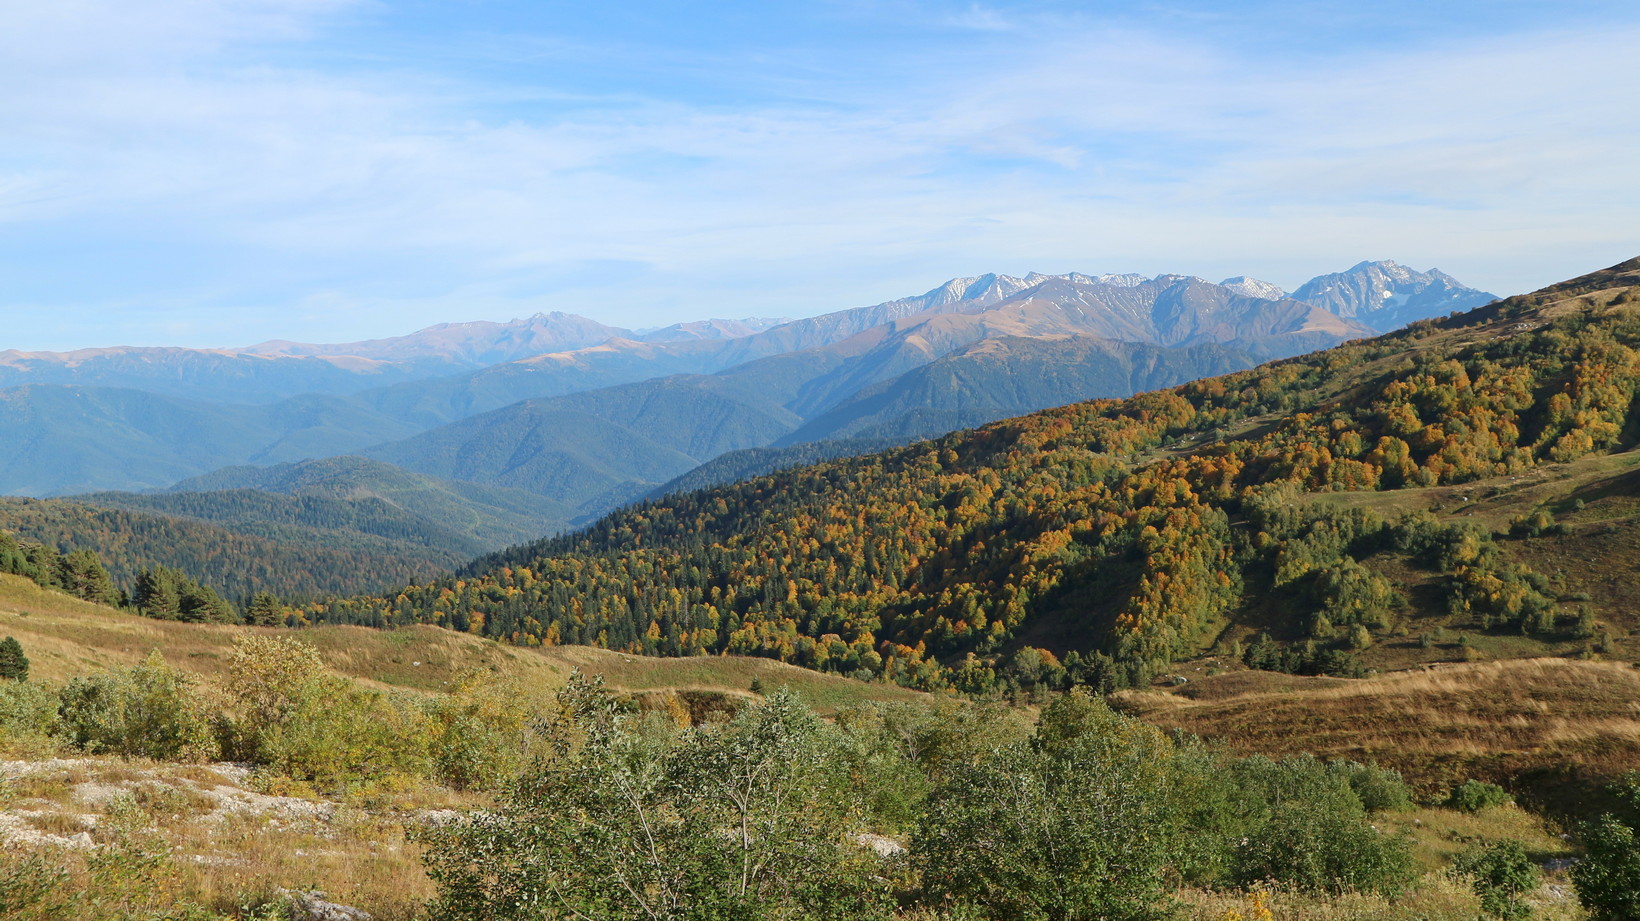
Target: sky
<point x="221" y="172"/>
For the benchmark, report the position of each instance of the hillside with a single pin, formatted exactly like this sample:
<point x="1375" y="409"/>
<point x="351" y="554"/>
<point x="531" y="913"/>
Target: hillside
<point x="65" y="637"/>
<point x="57" y="439"/>
<point x="448" y="513"/>
<point x="295" y="548"/>
<point x="594" y="449"/>
<point x="1550" y="727"/>
<point x="1120" y="536"/>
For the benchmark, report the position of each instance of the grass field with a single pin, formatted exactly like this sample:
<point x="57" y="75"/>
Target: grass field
<point x="64" y="637"/>
<point x="1554" y="729"/>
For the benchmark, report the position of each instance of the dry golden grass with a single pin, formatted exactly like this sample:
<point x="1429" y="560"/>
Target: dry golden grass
<point x="1436" y="897"/>
<point x="1502" y="721"/>
<point x="64" y="637"/>
<point x="228" y="846"/>
<point x="360" y="860"/>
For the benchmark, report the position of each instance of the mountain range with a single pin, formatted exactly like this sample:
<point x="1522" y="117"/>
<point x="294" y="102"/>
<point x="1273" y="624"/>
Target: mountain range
<point x="1365" y="503"/>
<point x="584" y="417"/>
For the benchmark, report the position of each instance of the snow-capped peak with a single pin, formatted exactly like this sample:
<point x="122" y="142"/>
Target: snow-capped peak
<point x="1253" y="287"/>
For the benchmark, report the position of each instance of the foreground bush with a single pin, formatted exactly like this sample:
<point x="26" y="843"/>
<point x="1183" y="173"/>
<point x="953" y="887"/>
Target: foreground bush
<point x="291" y="714"/>
<point x="1501" y="875"/>
<point x="28" y="717"/>
<point x="1608" y="877"/>
<point x="632" y="818"/>
<point x="150" y="710"/>
<point x="1072" y="825"/>
<point x="1305" y="827"/>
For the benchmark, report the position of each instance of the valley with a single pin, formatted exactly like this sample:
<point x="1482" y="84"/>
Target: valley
<point x="1379" y="587"/>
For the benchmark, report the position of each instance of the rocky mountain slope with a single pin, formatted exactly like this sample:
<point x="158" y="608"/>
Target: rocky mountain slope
<point x="1387" y="296"/>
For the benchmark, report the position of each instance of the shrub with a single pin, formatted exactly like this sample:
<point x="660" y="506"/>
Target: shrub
<point x="1500" y="874"/>
<point x="292" y="715"/>
<point x="1607" y="879"/>
<point x="1378" y="789"/>
<point x="1475" y="795"/>
<point x="1070" y="825"/>
<point x="150" y="710"/>
<point x="1307" y="828"/>
<point x="634" y="818"/>
<point x="481" y="734"/>
<point x="28" y="717"/>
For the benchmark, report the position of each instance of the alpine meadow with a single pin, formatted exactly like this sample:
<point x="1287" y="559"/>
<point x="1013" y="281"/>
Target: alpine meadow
<point x="458" y="463"/>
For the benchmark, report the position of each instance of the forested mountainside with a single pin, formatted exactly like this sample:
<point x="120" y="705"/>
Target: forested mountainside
<point x="468" y="513"/>
<point x="753" y="462"/>
<point x="1141" y="530"/>
<point x="597" y="449"/>
<point x="1009" y="376"/>
<point x="57" y="439"/>
<point x="299" y="548"/>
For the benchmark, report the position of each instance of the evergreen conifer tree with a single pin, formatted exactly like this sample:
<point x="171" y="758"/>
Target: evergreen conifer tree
<point x="13" y="664"/>
<point x="264" y="611"/>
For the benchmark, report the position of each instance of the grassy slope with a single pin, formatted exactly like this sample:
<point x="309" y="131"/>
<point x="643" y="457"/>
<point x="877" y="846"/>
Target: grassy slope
<point x="1598" y="556"/>
<point x="1553" y="728"/>
<point x="64" y="637"/>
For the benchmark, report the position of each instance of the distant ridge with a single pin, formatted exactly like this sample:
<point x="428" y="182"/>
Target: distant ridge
<point x="475" y="343"/>
<point x="1386" y="296"/>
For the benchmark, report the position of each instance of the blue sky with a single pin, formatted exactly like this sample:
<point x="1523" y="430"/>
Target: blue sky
<point x="220" y="172"/>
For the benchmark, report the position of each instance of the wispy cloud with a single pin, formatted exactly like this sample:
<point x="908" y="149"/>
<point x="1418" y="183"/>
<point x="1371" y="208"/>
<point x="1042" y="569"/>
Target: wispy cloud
<point x="229" y="177"/>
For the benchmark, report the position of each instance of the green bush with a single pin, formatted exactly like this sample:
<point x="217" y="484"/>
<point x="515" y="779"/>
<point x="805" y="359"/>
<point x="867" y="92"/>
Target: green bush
<point x="1069" y="826"/>
<point x="1475" y="795"/>
<point x="1500" y="874"/>
<point x="290" y="714"/>
<point x="480" y="732"/>
<point x="1379" y="789"/>
<point x="1306" y="827"/>
<point x="150" y="710"/>
<point x="631" y="817"/>
<point x="1607" y="879"/>
<point x="28" y="717"/>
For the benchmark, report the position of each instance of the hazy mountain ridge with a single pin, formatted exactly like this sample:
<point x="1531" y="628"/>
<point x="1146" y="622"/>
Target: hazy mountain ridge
<point x="214" y="375"/>
<point x="473" y="343"/>
<point x="772" y="382"/>
<point x="672" y="424"/>
<point x="57" y="439"/>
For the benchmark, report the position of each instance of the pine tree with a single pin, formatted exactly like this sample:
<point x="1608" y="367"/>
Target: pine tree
<point x="13" y="664"/>
<point x="264" y="611"/>
<point x="83" y="575"/>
